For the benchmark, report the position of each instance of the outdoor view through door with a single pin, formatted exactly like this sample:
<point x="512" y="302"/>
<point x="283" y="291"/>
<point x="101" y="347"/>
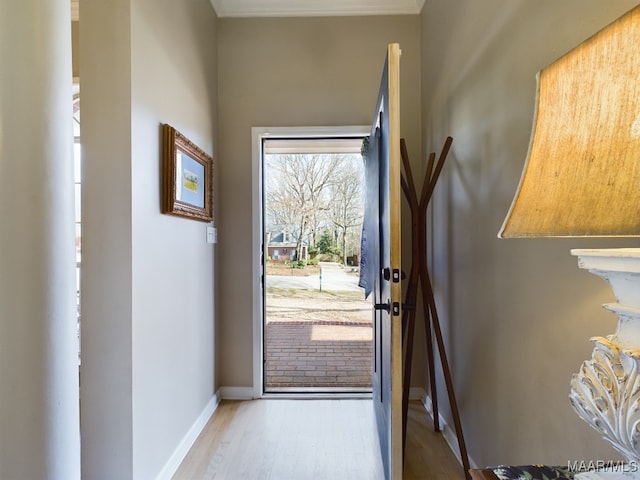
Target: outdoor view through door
<point x="317" y="323"/>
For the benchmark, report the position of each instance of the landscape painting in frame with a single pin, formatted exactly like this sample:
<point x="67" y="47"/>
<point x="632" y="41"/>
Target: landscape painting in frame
<point x="186" y="177"/>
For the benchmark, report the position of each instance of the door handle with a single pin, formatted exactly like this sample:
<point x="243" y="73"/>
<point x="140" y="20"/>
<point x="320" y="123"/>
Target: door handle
<point x="383" y="306"/>
<point x="387" y="307"/>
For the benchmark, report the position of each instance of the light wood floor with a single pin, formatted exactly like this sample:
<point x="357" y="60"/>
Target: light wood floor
<point x="319" y="439"/>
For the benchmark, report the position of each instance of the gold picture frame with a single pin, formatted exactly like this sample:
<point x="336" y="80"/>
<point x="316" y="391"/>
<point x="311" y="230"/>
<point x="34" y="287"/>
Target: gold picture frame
<point x="187" y="180"/>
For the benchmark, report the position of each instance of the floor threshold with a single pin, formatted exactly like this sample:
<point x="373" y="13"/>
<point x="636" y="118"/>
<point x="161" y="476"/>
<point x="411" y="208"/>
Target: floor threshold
<point x="316" y="392"/>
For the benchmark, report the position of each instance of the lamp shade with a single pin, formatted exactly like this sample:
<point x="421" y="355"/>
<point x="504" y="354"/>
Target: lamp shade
<point x="582" y="174"/>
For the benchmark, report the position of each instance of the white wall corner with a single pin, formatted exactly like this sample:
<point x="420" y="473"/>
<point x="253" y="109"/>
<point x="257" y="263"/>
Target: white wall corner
<point x="188" y="440"/>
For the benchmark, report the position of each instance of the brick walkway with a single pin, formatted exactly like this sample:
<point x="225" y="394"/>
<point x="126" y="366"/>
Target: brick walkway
<point x="318" y="338"/>
<point x="320" y="354"/>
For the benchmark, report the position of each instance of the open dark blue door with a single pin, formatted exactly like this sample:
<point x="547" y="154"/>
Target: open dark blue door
<point x="382" y="254"/>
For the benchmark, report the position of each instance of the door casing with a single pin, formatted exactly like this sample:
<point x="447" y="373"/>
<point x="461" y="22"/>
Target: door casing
<point x="258" y="134"/>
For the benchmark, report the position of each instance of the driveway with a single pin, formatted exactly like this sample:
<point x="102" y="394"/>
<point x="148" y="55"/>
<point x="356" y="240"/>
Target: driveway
<point x="332" y="277"/>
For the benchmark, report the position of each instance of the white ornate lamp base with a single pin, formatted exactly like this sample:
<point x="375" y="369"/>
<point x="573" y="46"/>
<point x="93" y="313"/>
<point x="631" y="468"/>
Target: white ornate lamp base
<point x="606" y="391"/>
<point x="605" y="394"/>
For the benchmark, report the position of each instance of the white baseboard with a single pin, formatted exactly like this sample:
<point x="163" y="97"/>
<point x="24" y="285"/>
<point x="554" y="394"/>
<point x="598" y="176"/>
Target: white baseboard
<point x="448" y="433"/>
<point x="236" y="393"/>
<point x="417" y="393"/>
<point x="188" y="440"/>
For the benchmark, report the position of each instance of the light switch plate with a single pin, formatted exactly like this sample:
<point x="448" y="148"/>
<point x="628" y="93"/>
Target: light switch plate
<point x="212" y="235"/>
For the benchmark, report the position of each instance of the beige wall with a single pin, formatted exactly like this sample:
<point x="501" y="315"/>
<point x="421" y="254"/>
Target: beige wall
<point x="39" y="410"/>
<point x="147" y="279"/>
<point x="518" y="313"/>
<point x="291" y="72"/>
<point x="174" y="80"/>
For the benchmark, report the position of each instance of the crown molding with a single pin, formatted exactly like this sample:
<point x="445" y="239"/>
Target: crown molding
<point x="315" y="8"/>
<point x="304" y="8"/>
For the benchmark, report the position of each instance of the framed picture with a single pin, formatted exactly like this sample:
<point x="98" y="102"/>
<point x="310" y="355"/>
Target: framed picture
<point x="186" y="177"/>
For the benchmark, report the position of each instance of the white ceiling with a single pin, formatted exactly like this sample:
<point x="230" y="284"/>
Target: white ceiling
<point x="305" y="8"/>
<point x="314" y="8"/>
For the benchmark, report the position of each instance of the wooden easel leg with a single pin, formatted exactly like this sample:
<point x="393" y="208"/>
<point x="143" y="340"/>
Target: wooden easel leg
<point x="409" y="311"/>
<point x="432" y="370"/>
<point x="408" y="360"/>
<point x="428" y="290"/>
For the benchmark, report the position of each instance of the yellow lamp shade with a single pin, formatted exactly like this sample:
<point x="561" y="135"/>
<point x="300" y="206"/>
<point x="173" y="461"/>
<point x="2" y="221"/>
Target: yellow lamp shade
<point x="582" y="175"/>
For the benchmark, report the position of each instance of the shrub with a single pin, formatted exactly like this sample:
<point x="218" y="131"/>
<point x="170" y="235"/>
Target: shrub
<point x="326" y="243"/>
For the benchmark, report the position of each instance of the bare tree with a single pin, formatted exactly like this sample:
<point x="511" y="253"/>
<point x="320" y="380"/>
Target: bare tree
<point x="296" y="191"/>
<point x="347" y="204"/>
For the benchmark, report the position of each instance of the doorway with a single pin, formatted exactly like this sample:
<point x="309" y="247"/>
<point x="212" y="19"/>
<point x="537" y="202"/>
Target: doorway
<point x="315" y="325"/>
